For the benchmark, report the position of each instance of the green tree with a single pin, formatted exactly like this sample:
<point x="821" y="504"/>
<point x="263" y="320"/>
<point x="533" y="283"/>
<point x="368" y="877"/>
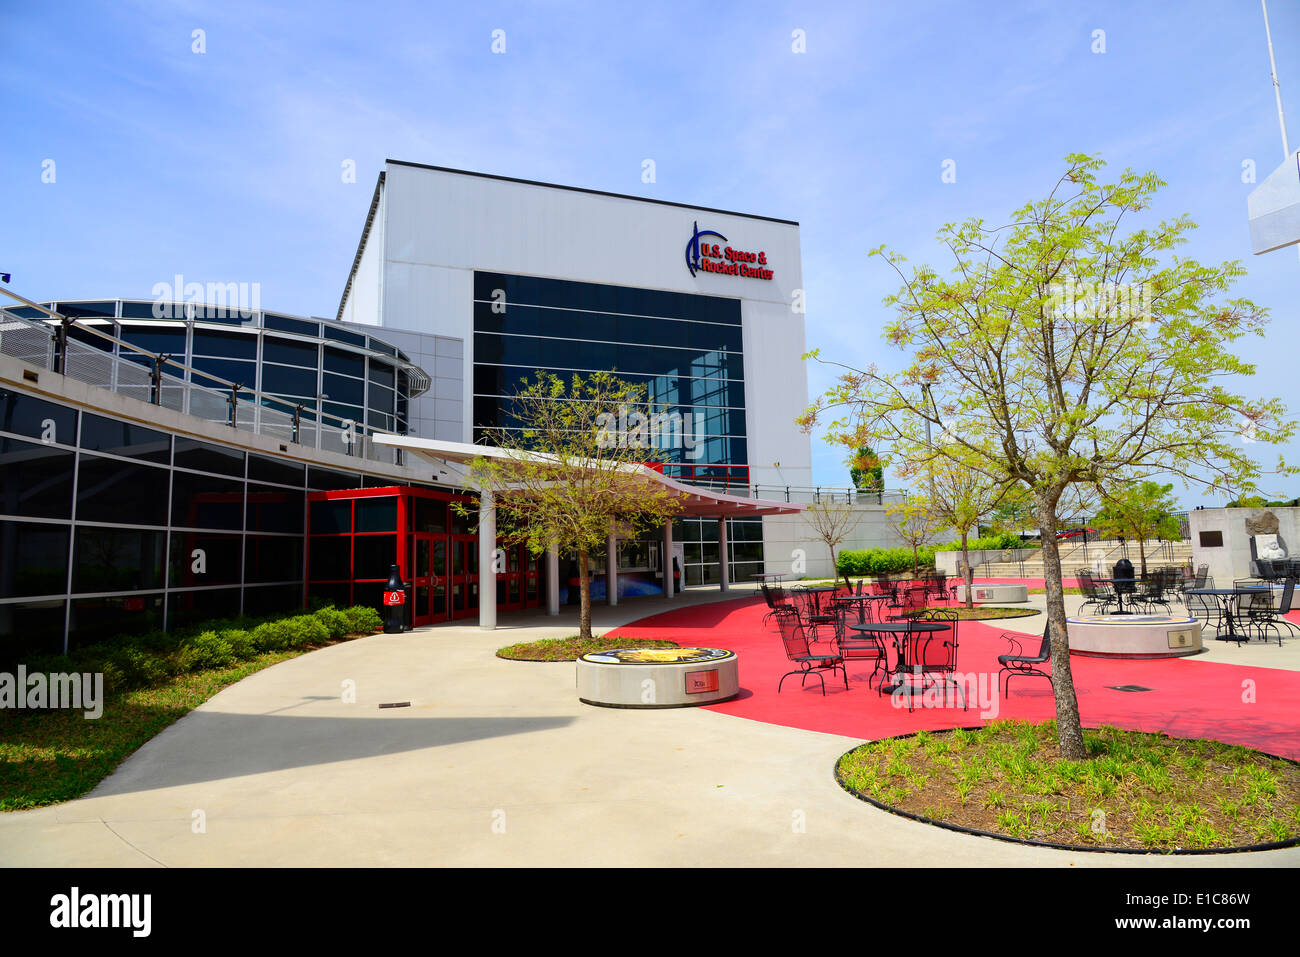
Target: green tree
<point x="1067" y="348"/>
<point x="564" y="477"/>
<point x="915" y="523"/>
<point x="960" y="496"/>
<point x="1139" y="510"/>
<point x="866" y="471"/>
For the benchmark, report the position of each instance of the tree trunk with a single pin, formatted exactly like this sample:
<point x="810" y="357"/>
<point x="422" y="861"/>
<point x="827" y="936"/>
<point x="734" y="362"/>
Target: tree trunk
<point x="584" y="588"/>
<point x="966" y="575"/>
<point x="1069" y="730"/>
<point x="1142" y="554"/>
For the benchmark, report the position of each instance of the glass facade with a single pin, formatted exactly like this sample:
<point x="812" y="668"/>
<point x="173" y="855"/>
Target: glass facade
<point x="686" y="349"/>
<point x="109" y="527"/>
<point x="699" y="539"/>
<point x="309" y="362"/>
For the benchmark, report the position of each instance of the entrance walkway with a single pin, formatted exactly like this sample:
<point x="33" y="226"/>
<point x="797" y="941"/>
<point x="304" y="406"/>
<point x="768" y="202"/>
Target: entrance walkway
<point x="495" y="763"/>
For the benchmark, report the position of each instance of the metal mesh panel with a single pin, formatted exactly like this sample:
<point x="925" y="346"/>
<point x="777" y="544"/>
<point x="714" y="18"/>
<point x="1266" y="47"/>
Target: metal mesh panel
<point x="30" y="342"/>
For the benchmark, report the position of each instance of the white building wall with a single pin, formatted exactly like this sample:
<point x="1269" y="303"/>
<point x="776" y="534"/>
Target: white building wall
<point x="1231" y="560"/>
<point x="362" y="302"/>
<point x="439" y="227"/>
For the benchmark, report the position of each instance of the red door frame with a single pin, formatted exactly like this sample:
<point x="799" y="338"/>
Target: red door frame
<point x="405" y="547"/>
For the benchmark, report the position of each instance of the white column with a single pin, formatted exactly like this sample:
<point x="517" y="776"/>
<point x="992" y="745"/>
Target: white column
<point x="487" y="576"/>
<point x="611" y="571"/>
<point x="552" y="581"/>
<point x="725" y="566"/>
<point x="668" y="558"/>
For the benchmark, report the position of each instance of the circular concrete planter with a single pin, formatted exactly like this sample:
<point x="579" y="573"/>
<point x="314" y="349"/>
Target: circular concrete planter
<point x="657" y="677"/>
<point x="1134" y="636"/>
<point x="1000" y="594"/>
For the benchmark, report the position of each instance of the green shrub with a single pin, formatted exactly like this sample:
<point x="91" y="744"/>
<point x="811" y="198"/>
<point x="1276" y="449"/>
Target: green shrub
<point x="989" y="543"/>
<point x="363" y="620"/>
<point x="335" y="621"/>
<point x="241" y="642"/>
<point x="138" y="668"/>
<point x="882" y="561"/>
<point x="203" y="651"/>
<point x="272" y="636"/>
<point x="306" y="630"/>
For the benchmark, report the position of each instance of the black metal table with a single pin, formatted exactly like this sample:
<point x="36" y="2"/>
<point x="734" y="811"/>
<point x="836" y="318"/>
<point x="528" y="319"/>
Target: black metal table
<point x="1226" y="598"/>
<point x="1131" y="589"/>
<point x="905" y="629"/>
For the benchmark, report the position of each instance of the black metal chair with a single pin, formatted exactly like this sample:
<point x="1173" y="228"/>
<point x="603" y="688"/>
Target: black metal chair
<point x="861" y="646"/>
<point x="1204" y="608"/>
<point x="1018" y="663"/>
<point x="1262" y="616"/>
<point x="798" y="650"/>
<point x="936" y="652"/>
<point x="775" y="596"/>
<point x="1102" y="600"/>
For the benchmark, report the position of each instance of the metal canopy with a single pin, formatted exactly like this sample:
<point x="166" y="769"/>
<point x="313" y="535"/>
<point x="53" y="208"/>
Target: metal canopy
<point x="696" y="501"/>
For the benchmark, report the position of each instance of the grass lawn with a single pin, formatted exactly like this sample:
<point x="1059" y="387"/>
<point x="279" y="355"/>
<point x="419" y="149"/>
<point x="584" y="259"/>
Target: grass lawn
<point x="988" y="612"/>
<point x="51" y="756"/>
<point x="568" y="649"/>
<point x="1142" y="791"/>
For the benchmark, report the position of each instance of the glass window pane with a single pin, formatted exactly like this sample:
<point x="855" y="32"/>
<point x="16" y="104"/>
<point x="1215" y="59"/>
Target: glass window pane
<point x="289" y="380"/>
<point x="289" y="351"/>
<point x="99" y="434"/>
<point x="97" y="619"/>
<point x="110" y="490"/>
<point x="331" y="517"/>
<point x="430" y="515"/>
<point x="329" y="480"/>
<point x="31" y="628"/>
<point x="205" y="457"/>
<point x="188" y="607"/>
<point x="330" y="557"/>
<point x="273" y="470"/>
<point x="286" y="324"/>
<point x="205" y="501"/>
<point x="273" y="558"/>
<point x="377" y="514"/>
<point x="346" y="363"/>
<point x="272" y="509"/>
<point x="202" y="558"/>
<point x="373" y="555"/>
<point x="33" y="560"/>
<point x="116" y="559"/>
<point x="27" y="415"/>
<point x="339" y="388"/>
<point x="35" y="480"/>
<point x="225" y="345"/>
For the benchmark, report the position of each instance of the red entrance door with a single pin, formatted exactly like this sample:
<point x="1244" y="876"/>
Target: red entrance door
<point x="429" y="578"/>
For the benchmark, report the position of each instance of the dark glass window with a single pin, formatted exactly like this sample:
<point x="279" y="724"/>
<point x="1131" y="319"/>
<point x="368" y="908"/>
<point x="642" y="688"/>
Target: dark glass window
<point x="330" y="557"/>
<point x="340" y="411"/>
<point x="227" y="345"/>
<point x="377" y="514"/>
<point x="99" y="434"/>
<point x="272" y="470"/>
<point x="93" y="620"/>
<point x="288" y="380"/>
<point x="33" y="559"/>
<point x="116" y="559"/>
<point x="373" y="555"/>
<point x="272" y="509"/>
<point x="188" y="607"/>
<point x="382" y="374"/>
<point x="430" y="515"/>
<point x="156" y="339"/>
<point x="27" y="415"/>
<point x="123" y="493"/>
<point x="289" y="351"/>
<point x="202" y="558"/>
<point x="331" y="516"/>
<point x="339" y="335"/>
<point x="35" y="480"/>
<point x="205" y="457"/>
<point x="269" y="601"/>
<point x="231" y="370"/>
<point x="342" y="389"/>
<point x="272" y="558"/>
<point x="139" y="310"/>
<point x="29" y="628"/>
<point x="329" y="480"/>
<point x="82" y="333"/>
<point x="285" y="324"/>
<point x="87" y="308"/>
<point x="345" y="363"/>
<point x="205" y="501"/>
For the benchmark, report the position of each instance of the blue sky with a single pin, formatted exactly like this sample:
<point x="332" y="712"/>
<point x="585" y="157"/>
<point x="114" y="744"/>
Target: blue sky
<point x="226" y="165"/>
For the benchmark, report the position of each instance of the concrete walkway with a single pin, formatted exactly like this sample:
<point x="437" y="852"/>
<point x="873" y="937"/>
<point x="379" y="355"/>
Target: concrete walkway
<point x="494" y="763"/>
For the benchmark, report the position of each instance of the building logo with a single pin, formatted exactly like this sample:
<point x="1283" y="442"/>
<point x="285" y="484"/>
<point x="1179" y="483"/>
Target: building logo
<point x="711" y="257"/>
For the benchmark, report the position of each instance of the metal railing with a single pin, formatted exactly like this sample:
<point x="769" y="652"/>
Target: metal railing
<point x="60" y="345"/>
